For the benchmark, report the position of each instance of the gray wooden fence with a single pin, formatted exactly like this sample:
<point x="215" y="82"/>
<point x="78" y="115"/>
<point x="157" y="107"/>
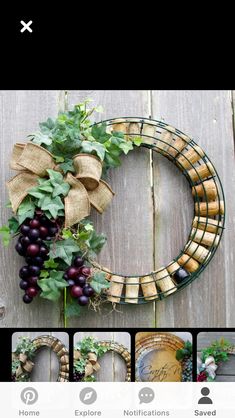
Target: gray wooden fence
<point x="145" y="227"/>
<point x="226" y="370"/>
<point x="46" y="365"/>
<point x="113" y="367"/>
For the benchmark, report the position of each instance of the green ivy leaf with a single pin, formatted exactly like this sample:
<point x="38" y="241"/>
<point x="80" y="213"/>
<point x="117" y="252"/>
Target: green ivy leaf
<point x="6" y="235"/>
<point x="67" y="166"/>
<point x="13" y="225"/>
<point x="66" y="233"/>
<point x="52" y="286"/>
<point x="57" y="181"/>
<point x="99" y="133"/>
<point x="26" y="210"/>
<point x="97" y="242"/>
<point x="126" y="146"/>
<point x="50" y="264"/>
<point x="40" y="138"/>
<point x="64" y="250"/>
<point x="72" y="308"/>
<point x="52" y="204"/>
<point x="44" y="273"/>
<point x="99" y="282"/>
<point x="137" y="140"/>
<point x="90" y="147"/>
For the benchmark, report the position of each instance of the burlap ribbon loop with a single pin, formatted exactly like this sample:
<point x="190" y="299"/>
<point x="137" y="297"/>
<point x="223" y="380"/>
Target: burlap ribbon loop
<point x="33" y="161"/>
<point x="92" y="364"/>
<point x="25" y="364"/>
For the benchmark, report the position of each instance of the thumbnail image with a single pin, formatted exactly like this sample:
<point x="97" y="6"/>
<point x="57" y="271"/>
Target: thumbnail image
<point x="163" y="357"/>
<point x="40" y="357"/>
<point x="216" y="357"/>
<point x="102" y="357"/>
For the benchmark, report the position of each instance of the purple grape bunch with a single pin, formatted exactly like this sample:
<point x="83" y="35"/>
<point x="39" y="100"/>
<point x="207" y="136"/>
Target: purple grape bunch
<point x="32" y="246"/>
<point x="77" y="276"/>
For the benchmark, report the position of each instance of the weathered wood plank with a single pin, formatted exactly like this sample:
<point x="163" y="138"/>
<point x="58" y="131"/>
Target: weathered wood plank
<point x="21" y="111"/>
<point x="46" y="366"/>
<point x="113" y="367"/>
<point x="128" y="221"/>
<point x="206" y="116"/>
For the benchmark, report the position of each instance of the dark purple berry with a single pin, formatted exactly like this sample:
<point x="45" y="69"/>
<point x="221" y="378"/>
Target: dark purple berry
<point x="38" y="261"/>
<point x="24" y="272"/>
<point x="76" y="291"/>
<point x="27" y="299"/>
<point x="78" y="261"/>
<point x="23" y="284"/>
<point x="180" y="275"/>
<point x="34" y="234"/>
<point x="53" y="231"/>
<point x="24" y="229"/>
<point x="33" y="280"/>
<point x="39" y="241"/>
<point x="25" y="241"/>
<point x="32" y="292"/>
<point x="33" y="250"/>
<point x="83" y="300"/>
<point x="88" y="291"/>
<point x="43" y="232"/>
<point x="20" y="249"/>
<point x="34" y="270"/>
<point x="48" y="239"/>
<point x="86" y="271"/>
<point x="43" y="251"/>
<point x="34" y="223"/>
<point x="72" y="272"/>
<point x="65" y="276"/>
<point x="80" y="280"/>
<point x="71" y="282"/>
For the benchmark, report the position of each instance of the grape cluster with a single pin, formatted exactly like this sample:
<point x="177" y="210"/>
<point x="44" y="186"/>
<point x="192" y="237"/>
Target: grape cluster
<point x="32" y="245"/>
<point x="77" y="276"/>
<point x="78" y="376"/>
<point x="187" y="369"/>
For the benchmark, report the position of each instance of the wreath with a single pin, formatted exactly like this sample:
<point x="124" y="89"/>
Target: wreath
<point x="26" y="350"/>
<point x="87" y="353"/>
<point x="211" y="358"/>
<point x="60" y="176"/>
<point x="182" y="352"/>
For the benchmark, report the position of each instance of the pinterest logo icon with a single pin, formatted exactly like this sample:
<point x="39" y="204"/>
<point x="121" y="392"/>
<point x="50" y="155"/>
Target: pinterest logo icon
<point x="29" y="396"/>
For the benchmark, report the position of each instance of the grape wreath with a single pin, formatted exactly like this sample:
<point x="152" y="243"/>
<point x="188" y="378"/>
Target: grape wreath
<point x="26" y="365"/>
<point x="207" y="225"/>
<point x="50" y="243"/>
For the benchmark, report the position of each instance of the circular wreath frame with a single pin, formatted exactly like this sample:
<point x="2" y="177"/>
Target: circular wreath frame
<point x="155" y="342"/>
<point x="209" y="213"/>
<point x="59" y="349"/>
<point x="122" y="351"/>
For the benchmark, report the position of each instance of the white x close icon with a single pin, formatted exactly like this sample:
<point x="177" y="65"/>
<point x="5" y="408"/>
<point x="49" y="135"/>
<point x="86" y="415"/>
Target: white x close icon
<point x="26" y="26"/>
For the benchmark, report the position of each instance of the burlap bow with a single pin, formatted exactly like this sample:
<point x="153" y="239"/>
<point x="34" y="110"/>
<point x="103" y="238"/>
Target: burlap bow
<point x="209" y="366"/>
<point x="25" y="364"/>
<point x="92" y="364"/>
<point x="86" y="187"/>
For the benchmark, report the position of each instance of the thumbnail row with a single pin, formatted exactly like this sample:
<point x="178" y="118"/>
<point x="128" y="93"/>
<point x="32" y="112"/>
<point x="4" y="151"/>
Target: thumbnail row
<point x="110" y="357"/>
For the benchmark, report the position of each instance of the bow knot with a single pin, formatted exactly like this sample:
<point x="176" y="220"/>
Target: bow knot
<point x="86" y="187"/>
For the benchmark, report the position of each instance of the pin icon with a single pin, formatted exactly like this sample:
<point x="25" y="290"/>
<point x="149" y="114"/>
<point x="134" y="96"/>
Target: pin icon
<point x="29" y="396"/>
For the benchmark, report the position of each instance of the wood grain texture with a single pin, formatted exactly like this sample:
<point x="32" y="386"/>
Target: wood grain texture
<point x="21" y="111"/>
<point x="46" y="368"/>
<point x="113" y="368"/>
<point x="128" y="221"/>
<point x="206" y="116"/>
<point x="226" y="370"/>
